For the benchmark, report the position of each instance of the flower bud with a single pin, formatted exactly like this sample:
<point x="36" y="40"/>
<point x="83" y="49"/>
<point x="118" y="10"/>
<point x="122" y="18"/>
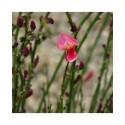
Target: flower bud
<point x="77" y="78"/>
<point x="74" y="28"/>
<point x="19" y="21"/>
<point x="32" y="25"/>
<point x="50" y="20"/>
<point x="81" y="65"/>
<point x="36" y="61"/>
<point x="25" y="52"/>
<point x="25" y="74"/>
<point x="29" y="92"/>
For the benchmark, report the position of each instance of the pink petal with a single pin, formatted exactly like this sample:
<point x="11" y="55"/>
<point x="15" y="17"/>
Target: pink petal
<point x="71" y="54"/>
<point x="88" y="76"/>
<point x="65" y="39"/>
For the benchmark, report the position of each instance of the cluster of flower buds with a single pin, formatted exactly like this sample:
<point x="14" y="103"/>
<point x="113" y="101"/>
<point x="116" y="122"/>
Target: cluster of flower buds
<point x="80" y="66"/>
<point x="23" y="22"/>
<point x="49" y="20"/>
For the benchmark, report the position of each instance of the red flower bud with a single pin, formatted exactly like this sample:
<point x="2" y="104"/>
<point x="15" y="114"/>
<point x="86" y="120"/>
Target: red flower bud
<point x="32" y="25"/>
<point x="77" y="78"/>
<point x="50" y="20"/>
<point x="36" y="61"/>
<point x="74" y="28"/>
<point x="25" y="52"/>
<point x="19" y="21"/>
<point x="25" y="74"/>
<point x="29" y="92"/>
<point x="81" y="65"/>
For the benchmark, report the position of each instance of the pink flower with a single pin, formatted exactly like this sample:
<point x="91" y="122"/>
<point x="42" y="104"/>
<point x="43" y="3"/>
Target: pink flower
<point x="68" y="43"/>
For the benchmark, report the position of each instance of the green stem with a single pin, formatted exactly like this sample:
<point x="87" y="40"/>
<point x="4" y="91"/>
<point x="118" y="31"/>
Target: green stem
<point x="49" y="84"/>
<point x="107" y="88"/>
<point x="47" y="14"/>
<point x="70" y="103"/>
<point x="107" y="103"/>
<point x="70" y="19"/>
<point x="95" y="43"/>
<point x="84" y="37"/>
<point x="82" y="22"/>
<point x="17" y="32"/>
<point x="64" y="78"/>
<point x="88" y="30"/>
<point x="97" y="90"/>
<point x="41" y="24"/>
<point x="15" y="91"/>
<point x="17" y="29"/>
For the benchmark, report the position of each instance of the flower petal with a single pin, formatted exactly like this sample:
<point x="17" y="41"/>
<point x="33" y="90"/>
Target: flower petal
<point x="61" y="42"/>
<point x="70" y="39"/>
<point x="65" y="39"/>
<point x="71" y="54"/>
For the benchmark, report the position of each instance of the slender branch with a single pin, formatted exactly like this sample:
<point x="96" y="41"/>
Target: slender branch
<point x="97" y="90"/>
<point x="88" y="30"/>
<point x="49" y="84"/>
<point x="70" y="19"/>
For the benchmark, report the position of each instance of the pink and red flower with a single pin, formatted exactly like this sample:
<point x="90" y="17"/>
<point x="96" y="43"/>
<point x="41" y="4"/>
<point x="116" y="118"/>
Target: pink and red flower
<point x="68" y="43"/>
